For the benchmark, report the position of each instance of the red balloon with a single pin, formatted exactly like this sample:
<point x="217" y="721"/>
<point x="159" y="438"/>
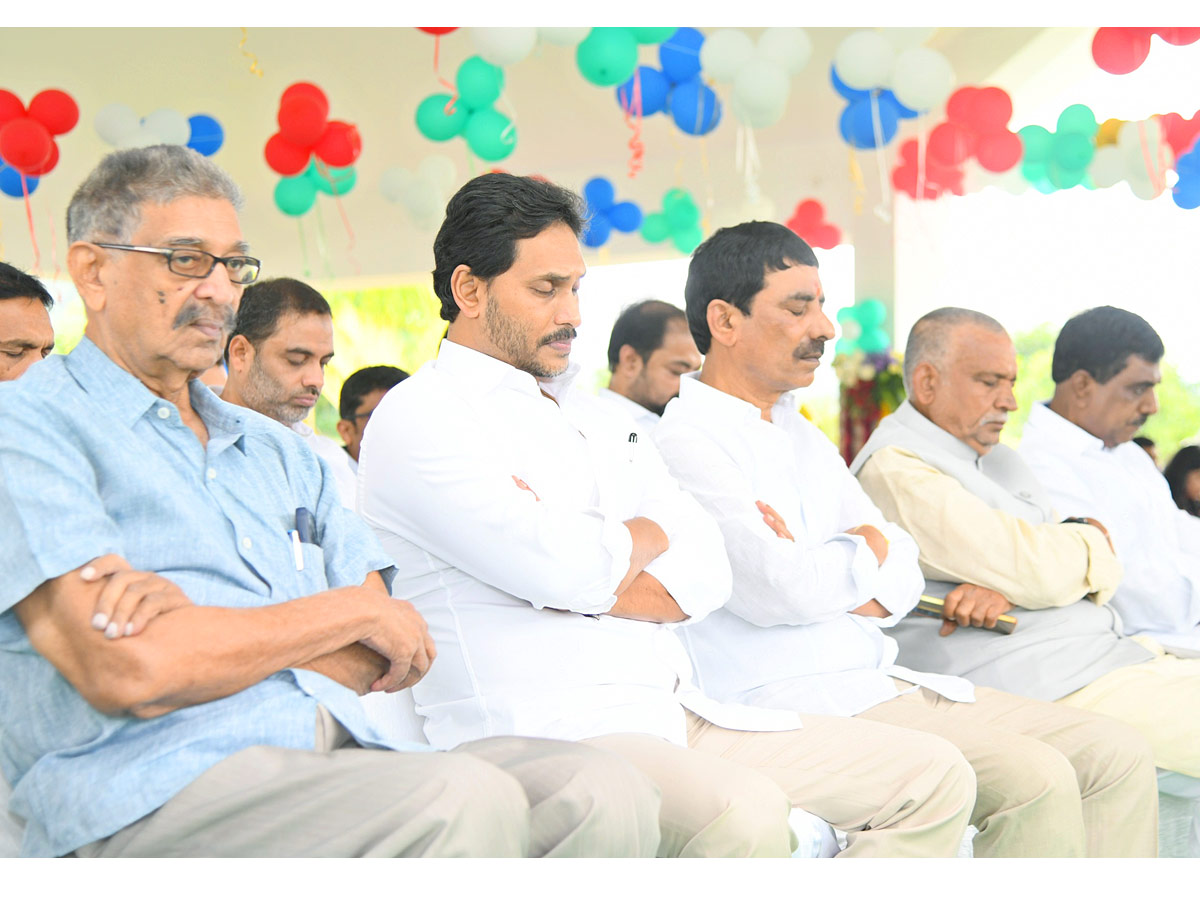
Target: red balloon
<point x="11" y="107"/>
<point x="1178" y="36"/>
<point x="808" y="215"/>
<point x="56" y="110"/>
<point x="436" y="31"/>
<point x="25" y="144"/>
<point x="306" y="89"/>
<point x="1120" y="50"/>
<point x="301" y="120"/>
<point x="951" y="144"/>
<point x="999" y="152"/>
<point x="1181" y="133"/>
<point x="48" y="166"/>
<point x="284" y="157"/>
<point x="339" y="145"/>
<point x="825" y="237"/>
<point x="991" y="110"/>
<point x="961" y="105"/>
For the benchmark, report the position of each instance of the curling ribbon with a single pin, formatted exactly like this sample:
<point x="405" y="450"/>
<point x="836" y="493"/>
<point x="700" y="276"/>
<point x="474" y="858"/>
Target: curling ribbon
<point x="255" y="69"/>
<point x="437" y="48"/>
<point x="633" y="121"/>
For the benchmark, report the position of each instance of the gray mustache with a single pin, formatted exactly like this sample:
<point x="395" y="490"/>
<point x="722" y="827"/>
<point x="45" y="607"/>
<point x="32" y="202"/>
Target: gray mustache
<point x="195" y="312"/>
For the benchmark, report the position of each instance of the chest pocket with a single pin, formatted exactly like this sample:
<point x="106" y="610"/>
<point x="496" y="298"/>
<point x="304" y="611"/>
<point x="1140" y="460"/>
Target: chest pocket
<point x="312" y="579"/>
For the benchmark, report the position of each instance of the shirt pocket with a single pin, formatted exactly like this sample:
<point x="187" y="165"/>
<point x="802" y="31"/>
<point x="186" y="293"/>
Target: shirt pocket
<point x="312" y="579"/>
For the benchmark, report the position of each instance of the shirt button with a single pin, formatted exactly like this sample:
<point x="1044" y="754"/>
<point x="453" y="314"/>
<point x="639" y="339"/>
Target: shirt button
<point x="164" y="413"/>
<point x="211" y="473"/>
<point x="247" y="543"/>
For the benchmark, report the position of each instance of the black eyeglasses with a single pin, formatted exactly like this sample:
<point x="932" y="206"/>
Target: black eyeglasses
<point x="200" y="263"/>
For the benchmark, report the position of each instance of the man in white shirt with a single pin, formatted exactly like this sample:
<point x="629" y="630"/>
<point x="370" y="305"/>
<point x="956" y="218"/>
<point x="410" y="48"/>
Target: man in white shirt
<point x="277" y="355"/>
<point x="26" y="334"/>
<point x="360" y="394"/>
<point x="818" y="572"/>
<point x="650" y="348"/>
<point x="1105" y="369"/>
<point x="549" y="554"/>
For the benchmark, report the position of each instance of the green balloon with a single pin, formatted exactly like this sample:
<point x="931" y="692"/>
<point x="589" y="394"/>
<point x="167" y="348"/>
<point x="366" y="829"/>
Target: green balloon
<point x="656" y="228"/>
<point x="335" y="182"/>
<point x="680" y="209"/>
<point x="607" y="56"/>
<point x="1072" y="151"/>
<point x="1078" y="119"/>
<point x="490" y="135"/>
<point x="1038" y="143"/>
<point x="433" y="122"/>
<point x="870" y="314"/>
<point x="1033" y="172"/>
<point x="652" y="35"/>
<point x="1063" y="178"/>
<point x="874" y="340"/>
<point x="296" y="195"/>
<point x="687" y="239"/>
<point x="479" y="83"/>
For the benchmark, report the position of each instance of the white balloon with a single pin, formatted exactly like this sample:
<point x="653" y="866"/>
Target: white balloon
<point x="864" y="60"/>
<point x="760" y="93"/>
<point x="393" y="183"/>
<point x="439" y="170"/>
<point x="922" y="79"/>
<point x="761" y="210"/>
<point x="168" y="125"/>
<point x="143" y="137"/>
<point x="115" y="122"/>
<point x="1143" y="188"/>
<point x="504" y="46"/>
<point x="724" y="52"/>
<point x="906" y="38"/>
<point x="1107" y="166"/>
<point x="423" y="200"/>
<point x="790" y="47"/>
<point x="1144" y="148"/>
<point x="563" y="37"/>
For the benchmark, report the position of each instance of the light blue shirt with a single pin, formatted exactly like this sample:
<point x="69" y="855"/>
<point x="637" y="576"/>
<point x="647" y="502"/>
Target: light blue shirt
<point x="91" y="462"/>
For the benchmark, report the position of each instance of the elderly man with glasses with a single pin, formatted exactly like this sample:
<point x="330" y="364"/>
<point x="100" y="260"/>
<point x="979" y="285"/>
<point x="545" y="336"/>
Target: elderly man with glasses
<point x="187" y="613"/>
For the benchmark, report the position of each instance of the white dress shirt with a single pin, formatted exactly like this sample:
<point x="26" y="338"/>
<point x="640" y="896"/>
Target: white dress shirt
<point x="646" y="420"/>
<point x="344" y="467"/>
<point x="1156" y="541"/>
<point x="515" y="583"/>
<point x="787" y="635"/>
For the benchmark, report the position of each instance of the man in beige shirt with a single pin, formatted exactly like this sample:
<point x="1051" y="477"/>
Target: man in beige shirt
<point x="987" y="533"/>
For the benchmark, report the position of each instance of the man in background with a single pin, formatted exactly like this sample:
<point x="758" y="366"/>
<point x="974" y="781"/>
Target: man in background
<point x="26" y="334"/>
<point x="361" y="393"/>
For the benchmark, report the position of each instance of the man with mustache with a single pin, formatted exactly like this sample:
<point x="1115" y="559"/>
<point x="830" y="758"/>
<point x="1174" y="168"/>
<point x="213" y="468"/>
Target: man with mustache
<point x="552" y="555"/>
<point x="231" y="724"/>
<point x="992" y="542"/>
<point x="819" y="574"/>
<point x="280" y="345"/>
<point x="1105" y="369"/>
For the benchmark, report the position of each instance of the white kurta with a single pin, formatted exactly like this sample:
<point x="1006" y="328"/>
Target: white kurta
<point x="646" y="420"/>
<point x="1158" y="543"/>
<point x="515" y="583"/>
<point x="787" y="634"/>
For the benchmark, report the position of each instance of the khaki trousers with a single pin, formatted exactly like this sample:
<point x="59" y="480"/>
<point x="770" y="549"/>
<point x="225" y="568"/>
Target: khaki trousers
<point x="1161" y="699"/>
<point x="1051" y="782"/>
<point x="495" y="797"/>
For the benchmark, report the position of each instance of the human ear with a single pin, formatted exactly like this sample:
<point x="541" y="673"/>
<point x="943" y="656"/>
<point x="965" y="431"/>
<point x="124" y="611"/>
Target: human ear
<point x="629" y="361"/>
<point x="84" y="262"/>
<point x="925" y="380"/>
<point x="723" y="319"/>
<point x="468" y="291"/>
<point x="241" y="353"/>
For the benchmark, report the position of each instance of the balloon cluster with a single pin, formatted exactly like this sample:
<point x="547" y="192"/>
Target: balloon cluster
<point x="976" y="126"/>
<point x="679" y="221"/>
<point x="27" y="145"/>
<point x="1181" y="133"/>
<point x="808" y="221"/>
<point x="760" y="72"/>
<point x="863" y="328"/>
<point x="605" y="213"/>
<point x="423" y="193"/>
<point x="1139" y="156"/>
<point x="871" y="117"/>
<point x="313" y="153"/>
<point x="917" y="79"/>
<point x="1121" y="50"/>
<point x="608" y="56"/>
<point x="295" y="195"/>
<point x="489" y="133"/>
<point x="938" y="179"/>
<point x="118" y="125"/>
<point x="1186" y="192"/>
<point x="676" y="88"/>
<point x="1058" y="160"/>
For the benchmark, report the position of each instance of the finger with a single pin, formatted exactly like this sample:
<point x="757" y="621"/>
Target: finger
<point x="112" y="591"/>
<point x="948" y="627"/>
<point x="990" y="617"/>
<point x="950" y="602"/>
<point x="103" y="566"/>
<point x="131" y="598"/>
<point x="430" y="648"/>
<point x="962" y="615"/>
<point x="153" y="605"/>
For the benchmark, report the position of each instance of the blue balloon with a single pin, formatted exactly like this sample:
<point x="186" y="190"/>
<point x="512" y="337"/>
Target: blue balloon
<point x="857" y="124"/>
<point x="848" y="92"/>
<point x="599" y="194"/>
<point x="680" y="55"/>
<point x="598" y="230"/>
<point x="10" y="182"/>
<point x="207" y="135"/>
<point x="626" y="216"/>
<point x="694" y="107"/>
<point x="901" y="110"/>
<point x="654" y="88"/>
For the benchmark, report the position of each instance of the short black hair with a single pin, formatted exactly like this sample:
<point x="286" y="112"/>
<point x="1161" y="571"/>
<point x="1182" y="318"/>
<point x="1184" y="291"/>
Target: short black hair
<point x="641" y="326"/>
<point x="1185" y="460"/>
<point x="365" y="381"/>
<point x="732" y="266"/>
<point x="14" y="283"/>
<point x="264" y="303"/>
<point x="1100" y="341"/>
<point x="1144" y="442"/>
<point x="487" y="217"/>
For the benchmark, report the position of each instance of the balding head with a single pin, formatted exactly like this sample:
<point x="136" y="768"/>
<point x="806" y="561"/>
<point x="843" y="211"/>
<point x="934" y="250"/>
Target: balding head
<point x="959" y="372"/>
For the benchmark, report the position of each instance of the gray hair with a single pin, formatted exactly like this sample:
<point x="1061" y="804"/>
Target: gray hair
<point x="927" y="339"/>
<point x="110" y="200"/>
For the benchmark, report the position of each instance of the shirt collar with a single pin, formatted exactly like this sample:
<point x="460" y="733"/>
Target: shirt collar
<point x="715" y="403"/>
<point x="483" y="374"/>
<point x="635" y="409"/>
<point x="916" y="420"/>
<point x="1063" y="431"/>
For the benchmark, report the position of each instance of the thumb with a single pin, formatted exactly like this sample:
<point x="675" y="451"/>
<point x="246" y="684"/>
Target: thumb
<point x="103" y="566"/>
<point x="948" y="627"/>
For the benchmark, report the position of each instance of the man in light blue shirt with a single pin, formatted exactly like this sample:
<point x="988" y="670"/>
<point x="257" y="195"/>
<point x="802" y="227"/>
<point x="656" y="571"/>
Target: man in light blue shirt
<point x="230" y="723"/>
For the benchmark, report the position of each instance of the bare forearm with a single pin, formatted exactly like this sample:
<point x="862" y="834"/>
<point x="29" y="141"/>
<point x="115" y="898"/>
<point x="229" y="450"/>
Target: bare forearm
<point x="647" y="601"/>
<point x="356" y="667"/>
<point x="649" y="543"/>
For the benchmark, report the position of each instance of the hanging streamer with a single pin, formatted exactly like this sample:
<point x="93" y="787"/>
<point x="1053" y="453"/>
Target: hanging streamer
<point x="255" y="69"/>
<point x="37" y="256"/>
<point x="322" y="249"/>
<point x="856" y="177"/>
<point x="920" y="192"/>
<point x="512" y="115"/>
<point x="883" y="208"/>
<point x="1156" y="169"/>
<point x="709" y="199"/>
<point x="747" y="162"/>
<point x="633" y="121"/>
<point x="53" y="248"/>
<point x="303" y="248"/>
<point x="448" y="109"/>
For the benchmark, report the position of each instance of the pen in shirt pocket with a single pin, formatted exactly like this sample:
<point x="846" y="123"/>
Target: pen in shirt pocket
<point x="632" y="444"/>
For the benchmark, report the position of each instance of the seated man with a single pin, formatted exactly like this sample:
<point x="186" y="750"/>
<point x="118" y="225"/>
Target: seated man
<point x="26" y="334"/>
<point x="649" y="349"/>
<point x="818" y="573"/>
<point x="281" y="343"/>
<point x="229" y="724"/>
<point x="1105" y="368"/>
<point x="988" y="530"/>
<point x="361" y="393"/>
<point x="550" y="555"/>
